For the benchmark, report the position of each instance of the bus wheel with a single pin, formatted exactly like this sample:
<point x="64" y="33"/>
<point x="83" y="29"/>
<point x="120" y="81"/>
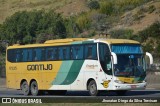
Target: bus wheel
<point x="34" y="88"/>
<point x="25" y="88"/>
<point x="121" y="92"/>
<point x="92" y="87"/>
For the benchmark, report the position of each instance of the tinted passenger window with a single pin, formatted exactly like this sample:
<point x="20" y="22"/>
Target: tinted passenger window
<point x="56" y="53"/>
<point x="77" y="52"/>
<point x="105" y="58"/>
<point x="19" y="55"/>
<point x="38" y="54"/>
<point x="103" y="51"/>
<point x="50" y="54"/>
<point x="11" y="55"/>
<point x="91" y="51"/>
<point x="27" y="55"/>
<point x="64" y="53"/>
<point x="43" y="52"/>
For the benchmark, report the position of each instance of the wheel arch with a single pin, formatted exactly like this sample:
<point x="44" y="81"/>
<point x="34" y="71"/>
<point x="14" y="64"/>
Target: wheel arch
<point x="22" y="82"/>
<point x="88" y="81"/>
<point x="32" y="81"/>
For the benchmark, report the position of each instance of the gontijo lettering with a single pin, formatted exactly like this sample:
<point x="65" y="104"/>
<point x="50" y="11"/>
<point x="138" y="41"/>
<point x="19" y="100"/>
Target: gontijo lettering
<point x="37" y="67"/>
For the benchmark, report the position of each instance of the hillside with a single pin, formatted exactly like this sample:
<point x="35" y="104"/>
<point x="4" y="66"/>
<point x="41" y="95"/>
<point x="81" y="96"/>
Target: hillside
<point x="140" y="17"/>
<point x="136" y="19"/>
<point x="67" y="7"/>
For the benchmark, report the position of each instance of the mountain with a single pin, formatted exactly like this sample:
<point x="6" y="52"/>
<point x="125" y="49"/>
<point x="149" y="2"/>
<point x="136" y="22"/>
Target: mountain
<point x="140" y="17"/>
<point x="138" y="14"/>
<point x="67" y="7"/>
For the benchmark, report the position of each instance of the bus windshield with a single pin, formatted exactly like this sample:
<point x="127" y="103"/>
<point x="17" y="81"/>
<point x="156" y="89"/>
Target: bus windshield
<point x="130" y="65"/>
<point x="130" y="60"/>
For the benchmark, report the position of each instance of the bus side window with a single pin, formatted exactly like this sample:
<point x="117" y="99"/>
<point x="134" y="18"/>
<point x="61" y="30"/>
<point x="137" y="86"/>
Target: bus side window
<point x="42" y="58"/>
<point x="71" y="53"/>
<point x="50" y="54"/>
<point x="103" y="52"/>
<point x="56" y="53"/>
<point x="77" y="52"/>
<point x="34" y="56"/>
<point x="61" y="53"/>
<point x="66" y="53"/>
<point x="39" y="54"/>
<point x="11" y="55"/>
<point x="25" y="53"/>
<point x="91" y="51"/>
<point x="19" y="55"/>
<point x="105" y="58"/>
<point x="29" y="54"/>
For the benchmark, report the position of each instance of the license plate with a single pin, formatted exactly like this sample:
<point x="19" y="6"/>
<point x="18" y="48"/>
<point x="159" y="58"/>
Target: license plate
<point x="133" y="86"/>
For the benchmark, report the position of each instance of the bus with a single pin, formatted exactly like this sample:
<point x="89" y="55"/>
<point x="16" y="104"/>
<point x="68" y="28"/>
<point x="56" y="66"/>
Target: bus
<point x="77" y="64"/>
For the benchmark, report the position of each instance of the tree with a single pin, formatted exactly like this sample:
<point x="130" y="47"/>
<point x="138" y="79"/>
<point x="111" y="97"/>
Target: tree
<point x="25" y="26"/>
<point x="28" y="39"/>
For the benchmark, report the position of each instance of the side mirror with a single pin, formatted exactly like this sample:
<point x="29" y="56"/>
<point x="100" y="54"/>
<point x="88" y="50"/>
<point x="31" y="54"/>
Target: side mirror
<point x="150" y="57"/>
<point x="114" y="57"/>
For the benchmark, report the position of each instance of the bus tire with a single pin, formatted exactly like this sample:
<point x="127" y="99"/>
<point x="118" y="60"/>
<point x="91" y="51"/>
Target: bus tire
<point x="34" y="88"/>
<point x="25" y="88"/>
<point x="92" y="88"/>
<point x="121" y="92"/>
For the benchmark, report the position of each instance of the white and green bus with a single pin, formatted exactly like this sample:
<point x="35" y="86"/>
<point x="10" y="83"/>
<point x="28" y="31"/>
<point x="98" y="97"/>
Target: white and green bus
<point x="77" y="64"/>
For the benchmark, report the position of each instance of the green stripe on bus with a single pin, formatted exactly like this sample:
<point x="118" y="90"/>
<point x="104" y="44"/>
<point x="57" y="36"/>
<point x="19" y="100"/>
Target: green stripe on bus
<point x="73" y="73"/>
<point x="63" y="72"/>
<point x="86" y="42"/>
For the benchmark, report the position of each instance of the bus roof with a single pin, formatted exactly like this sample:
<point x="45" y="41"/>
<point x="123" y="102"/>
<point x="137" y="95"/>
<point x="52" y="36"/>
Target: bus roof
<point x="64" y="40"/>
<point x="70" y="40"/>
<point x="118" y="41"/>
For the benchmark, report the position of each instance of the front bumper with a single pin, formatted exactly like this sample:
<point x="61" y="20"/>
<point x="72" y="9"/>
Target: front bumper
<point x="137" y="86"/>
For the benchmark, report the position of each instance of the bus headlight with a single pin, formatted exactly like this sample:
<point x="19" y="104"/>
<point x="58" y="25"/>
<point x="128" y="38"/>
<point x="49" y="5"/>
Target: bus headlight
<point x="118" y="81"/>
<point x="144" y="81"/>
